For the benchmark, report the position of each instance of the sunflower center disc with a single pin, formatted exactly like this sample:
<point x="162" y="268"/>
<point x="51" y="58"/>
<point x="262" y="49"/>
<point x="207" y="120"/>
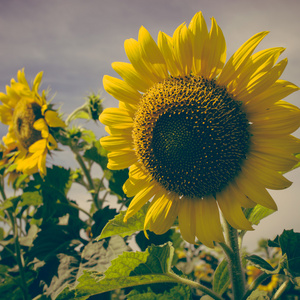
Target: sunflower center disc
<point x="25" y="115"/>
<point x="191" y="135"/>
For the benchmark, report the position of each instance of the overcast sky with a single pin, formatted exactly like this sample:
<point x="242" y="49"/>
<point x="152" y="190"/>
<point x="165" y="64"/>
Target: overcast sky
<point x="75" y="41"/>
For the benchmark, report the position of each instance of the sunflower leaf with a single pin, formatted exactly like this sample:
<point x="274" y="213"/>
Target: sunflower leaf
<point x="129" y="269"/>
<point x="262" y="264"/>
<point x="257" y="213"/>
<point x="221" y="278"/>
<point x="290" y="245"/>
<point x="116" y="226"/>
<point x="258" y="295"/>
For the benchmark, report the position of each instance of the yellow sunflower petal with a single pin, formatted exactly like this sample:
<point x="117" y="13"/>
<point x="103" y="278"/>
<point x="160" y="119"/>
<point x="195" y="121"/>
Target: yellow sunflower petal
<point x="133" y="52"/>
<point x="199" y="32"/>
<point x="41" y="125"/>
<point x="115" y="143"/>
<point x="130" y="76"/>
<point x="239" y="59"/>
<point x="116" y="118"/>
<point x="187" y="219"/>
<point x="121" y="90"/>
<point x="152" y="54"/>
<point x="53" y="120"/>
<point x="260" y="84"/>
<point x="38" y="147"/>
<point x="162" y="213"/>
<point x="183" y="49"/>
<point x="51" y="142"/>
<point x="232" y="211"/>
<point x="208" y="225"/>
<point x="121" y="160"/>
<point x="140" y="199"/>
<point x="255" y="191"/>
<point x="214" y="52"/>
<point x="279" y="90"/>
<point x="165" y="45"/>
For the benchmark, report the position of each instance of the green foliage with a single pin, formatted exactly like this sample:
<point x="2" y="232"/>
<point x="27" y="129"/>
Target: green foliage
<point x="118" y="227"/>
<point x="129" y="269"/>
<point x="48" y="250"/>
<point x="221" y="278"/>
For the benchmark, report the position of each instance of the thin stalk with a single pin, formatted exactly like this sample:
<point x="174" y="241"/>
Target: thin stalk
<point x="19" y="257"/>
<point x="281" y="290"/>
<point x="235" y="267"/>
<point x="196" y="285"/>
<point x="78" y="208"/>
<point x="87" y="174"/>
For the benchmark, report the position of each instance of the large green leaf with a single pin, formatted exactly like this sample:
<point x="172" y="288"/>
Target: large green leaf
<point x="290" y="245"/>
<point x="117" y="226"/>
<point x="221" y="278"/>
<point x="129" y="269"/>
<point x="95" y="257"/>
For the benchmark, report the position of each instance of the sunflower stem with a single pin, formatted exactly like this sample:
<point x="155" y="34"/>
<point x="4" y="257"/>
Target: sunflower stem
<point x="235" y="267"/>
<point x="87" y="174"/>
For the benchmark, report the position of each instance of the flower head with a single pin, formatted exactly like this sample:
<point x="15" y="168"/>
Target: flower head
<point x="200" y="135"/>
<point x="30" y="122"/>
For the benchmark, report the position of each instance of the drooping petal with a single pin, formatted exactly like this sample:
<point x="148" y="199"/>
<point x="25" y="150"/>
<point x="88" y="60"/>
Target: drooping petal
<point x="140" y="199"/>
<point x="208" y="225"/>
<point x="232" y="211"/>
<point x="187" y="219"/>
<point x="162" y="213"/>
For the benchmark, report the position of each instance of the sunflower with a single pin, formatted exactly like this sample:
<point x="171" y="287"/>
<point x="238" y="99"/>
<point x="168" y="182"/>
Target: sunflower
<point x="267" y="285"/>
<point x="30" y="121"/>
<point x="200" y="135"/>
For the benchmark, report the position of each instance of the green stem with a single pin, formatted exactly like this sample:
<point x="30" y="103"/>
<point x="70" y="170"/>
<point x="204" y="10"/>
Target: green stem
<point x="235" y="267"/>
<point x="69" y="118"/>
<point x="281" y="289"/>
<point x="19" y="257"/>
<point x="78" y="208"/>
<point x="87" y="174"/>
<point x="195" y="285"/>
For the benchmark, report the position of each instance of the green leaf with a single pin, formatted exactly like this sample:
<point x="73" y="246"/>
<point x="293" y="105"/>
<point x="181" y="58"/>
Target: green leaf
<point x="31" y="198"/>
<point x="259" y="295"/>
<point x="221" y="278"/>
<point x="95" y="257"/>
<point x="129" y="269"/>
<point x="261" y="264"/>
<point x="116" y="182"/>
<point x="97" y="154"/>
<point x="257" y="213"/>
<point x="290" y="245"/>
<point x="116" y="226"/>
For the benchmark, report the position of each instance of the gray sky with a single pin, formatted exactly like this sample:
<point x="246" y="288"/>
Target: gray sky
<point x="75" y="41"/>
